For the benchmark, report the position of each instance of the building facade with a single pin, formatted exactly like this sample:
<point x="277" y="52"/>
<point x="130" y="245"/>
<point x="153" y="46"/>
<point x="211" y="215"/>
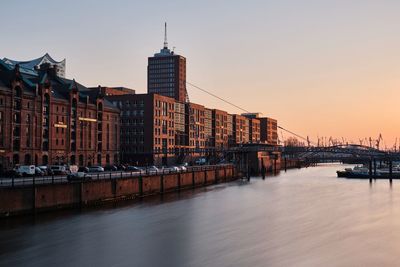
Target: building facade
<point x="220" y="129"/>
<point x="147" y="128"/>
<point x="254" y="127"/>
<point x="254" y="131"/>
<point x="229" y="123"/>
<point x="241" y="129"/>
<point x="195" y="128"/>
<point x="208" y="130"/>
<point x="269" y="131"/>
<point x="166" y="74"/>
<point x="46" y="119"/>
<point x="180" y="124"/>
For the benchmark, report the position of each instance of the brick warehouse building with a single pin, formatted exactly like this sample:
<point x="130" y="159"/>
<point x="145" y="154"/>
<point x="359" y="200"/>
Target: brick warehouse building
<point x="46" y="119"/>
<point x="241" y="130"/>
<point x="220" y="129"/>
<point x="269" y="130"/>
<point x="254" y="127"/>
<point x="195" y="128"/>
<point x="147" y="128"/>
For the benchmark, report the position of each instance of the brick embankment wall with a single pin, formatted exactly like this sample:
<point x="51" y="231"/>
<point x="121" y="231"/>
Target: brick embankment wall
<point x="44" y="197"/>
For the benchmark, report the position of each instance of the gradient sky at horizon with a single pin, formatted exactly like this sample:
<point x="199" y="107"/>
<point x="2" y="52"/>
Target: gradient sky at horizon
<point x="322" y="68"/>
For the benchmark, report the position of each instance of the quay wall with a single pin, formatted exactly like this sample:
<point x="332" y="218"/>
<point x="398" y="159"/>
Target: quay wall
<point x="44" y="197"/>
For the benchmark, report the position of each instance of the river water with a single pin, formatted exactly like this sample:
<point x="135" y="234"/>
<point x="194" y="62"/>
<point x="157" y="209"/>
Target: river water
<point x="305" y="217"/>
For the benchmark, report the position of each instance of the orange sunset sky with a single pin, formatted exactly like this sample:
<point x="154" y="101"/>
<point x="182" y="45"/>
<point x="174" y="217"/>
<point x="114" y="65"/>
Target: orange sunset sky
<point x="322" y="68"/>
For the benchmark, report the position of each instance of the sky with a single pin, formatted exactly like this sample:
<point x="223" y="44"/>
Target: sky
<point x="321" y="68"/>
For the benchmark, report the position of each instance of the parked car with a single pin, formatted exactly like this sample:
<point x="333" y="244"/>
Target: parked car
<point x="201" y="161"/>
<point x="132" y="169"/>
<point x="96" y="169"/>
<point x="45" y="170"/>
<point x="176" y="169"/>
<point x="78" y="176"/>
<point x="151" y="169"/>
<point x="182" y="168"/>
<point x="72" y="168"/>
<point x="39" y="172"/>
<point x="111" y="168"/>
<point x="83" y="169"/>
<point x="25" y="170"/>
<point x="58" y="169"/>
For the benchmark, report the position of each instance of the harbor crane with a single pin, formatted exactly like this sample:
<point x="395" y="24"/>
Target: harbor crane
<point x="378" y="141"/>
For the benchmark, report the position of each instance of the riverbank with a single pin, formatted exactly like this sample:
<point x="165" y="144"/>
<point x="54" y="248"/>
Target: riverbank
<point x="47" y="197"/>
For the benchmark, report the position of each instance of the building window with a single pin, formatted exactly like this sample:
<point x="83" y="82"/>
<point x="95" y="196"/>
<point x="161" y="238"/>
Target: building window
<point x="18" y="91"/>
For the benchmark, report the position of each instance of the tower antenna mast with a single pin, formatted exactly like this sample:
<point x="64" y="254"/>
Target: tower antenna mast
<point x="165" y="36"/>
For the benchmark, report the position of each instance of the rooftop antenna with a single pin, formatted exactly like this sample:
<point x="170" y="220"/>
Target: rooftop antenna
<point x="165" y="36"/>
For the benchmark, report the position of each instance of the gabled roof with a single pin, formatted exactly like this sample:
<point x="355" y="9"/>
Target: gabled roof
<point x="61" y="87"/>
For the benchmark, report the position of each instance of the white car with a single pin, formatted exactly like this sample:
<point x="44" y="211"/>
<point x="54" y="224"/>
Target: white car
<point x="58" y="169"/>
<point x="152" y="169"/>
<point x="25" y="170"/>
<point x="175" y="169"/>
<point x="182" y="168"/>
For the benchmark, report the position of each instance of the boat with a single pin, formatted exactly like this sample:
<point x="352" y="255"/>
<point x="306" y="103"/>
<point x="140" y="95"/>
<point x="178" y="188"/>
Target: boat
<point x="362" y="172"/>
<point x="356" y="172"/>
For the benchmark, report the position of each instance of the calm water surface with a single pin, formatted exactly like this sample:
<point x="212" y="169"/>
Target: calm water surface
<point x="304" y="217"/>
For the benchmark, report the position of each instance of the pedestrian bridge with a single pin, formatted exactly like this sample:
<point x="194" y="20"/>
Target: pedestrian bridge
<point x="340" y="153"/>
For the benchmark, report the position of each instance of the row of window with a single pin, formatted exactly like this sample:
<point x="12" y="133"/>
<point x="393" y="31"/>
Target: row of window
<point x="163" y="71"/>
<point x="157" y="141"/>
<point x="154" y="86"/>
<point x="162" y="60"/>
<point x="161" y="65"/>
<point x="126" y="121"/>
<point x="132" y="113"/>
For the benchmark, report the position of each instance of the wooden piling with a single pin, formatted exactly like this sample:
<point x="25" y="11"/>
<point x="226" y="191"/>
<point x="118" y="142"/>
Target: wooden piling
<point x="285" y="160"/>
<point x="370" y="171"/>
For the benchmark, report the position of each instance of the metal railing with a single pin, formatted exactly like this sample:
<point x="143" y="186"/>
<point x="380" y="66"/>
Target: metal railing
<point x="28" y="181"/>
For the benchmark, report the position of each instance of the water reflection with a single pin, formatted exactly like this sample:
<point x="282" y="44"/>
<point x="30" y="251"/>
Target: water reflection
<point x="304" y="217"/>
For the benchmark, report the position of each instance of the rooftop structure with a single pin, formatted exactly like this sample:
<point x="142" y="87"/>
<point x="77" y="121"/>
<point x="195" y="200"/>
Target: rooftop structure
<point x="34" y="64"/>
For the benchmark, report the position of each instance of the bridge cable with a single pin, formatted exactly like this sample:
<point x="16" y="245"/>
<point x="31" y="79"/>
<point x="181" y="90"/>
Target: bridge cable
<point x="245" y="110"/>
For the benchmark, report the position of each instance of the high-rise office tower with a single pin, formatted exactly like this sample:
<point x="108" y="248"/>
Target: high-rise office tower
<point x="166" y="73"/>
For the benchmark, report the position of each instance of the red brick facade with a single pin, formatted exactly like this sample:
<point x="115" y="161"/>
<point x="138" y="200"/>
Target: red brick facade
<point x="147" y="128"/>
<point x="220" y="129"/>
<point x="45" y="119"/>
<point x="269" y="131"/>
<point x="241" y="129"/>
<point x="254" y="131"/>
